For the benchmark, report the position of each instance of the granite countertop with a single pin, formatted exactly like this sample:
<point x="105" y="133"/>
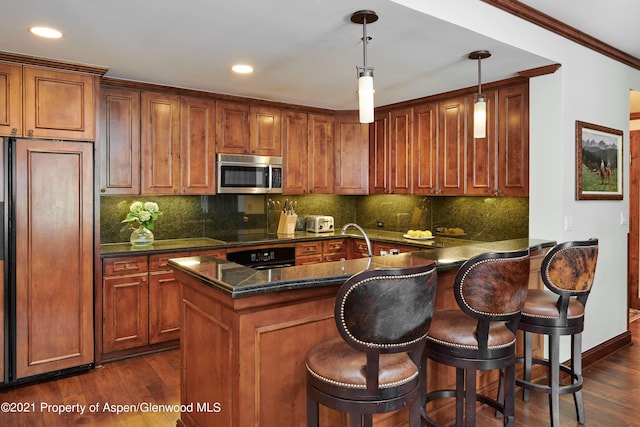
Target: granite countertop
<point x="239" y="281"/>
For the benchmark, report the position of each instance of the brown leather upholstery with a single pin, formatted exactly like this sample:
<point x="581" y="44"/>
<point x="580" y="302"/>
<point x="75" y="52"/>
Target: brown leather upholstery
<point x="568" y="272"/>
<point x="490" y="290"/>
<point x="383" y="317"/>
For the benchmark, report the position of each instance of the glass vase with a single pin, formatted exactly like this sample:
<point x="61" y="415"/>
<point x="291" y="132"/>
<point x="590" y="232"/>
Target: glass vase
<point x="141" y="237"/>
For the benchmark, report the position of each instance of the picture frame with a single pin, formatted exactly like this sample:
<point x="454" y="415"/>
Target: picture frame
<point x="598" y="162"/>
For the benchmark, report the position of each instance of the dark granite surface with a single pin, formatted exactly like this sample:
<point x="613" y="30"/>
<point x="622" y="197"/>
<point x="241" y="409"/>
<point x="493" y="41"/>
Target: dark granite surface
<point x="239" y="281"/>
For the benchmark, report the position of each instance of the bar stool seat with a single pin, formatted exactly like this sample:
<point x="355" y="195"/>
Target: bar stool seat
<point x="490" y="290"/>
<point x="567" y="271"/>
<point x="375" y="365"/>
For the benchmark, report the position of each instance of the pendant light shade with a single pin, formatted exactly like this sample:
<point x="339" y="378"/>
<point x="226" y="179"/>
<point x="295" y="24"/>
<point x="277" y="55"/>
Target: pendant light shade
<point x="365" y="73"/>
<point x="480" y="101"/>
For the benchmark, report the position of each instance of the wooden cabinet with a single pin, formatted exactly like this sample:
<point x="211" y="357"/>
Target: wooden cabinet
<point x="197" y="146"/>
<point x="334" y="250"/>
<point x="58" y="104"/>
<point x="54" y="232"/>
<point x="166" y="139"/>
<point x="125" y="303"/>
<point x="351" y="155"/>
<point x="141" y="302"/>
<point x="38" y="102"/>
<point x="308" y="153"/>
<point x="391" y="154"/>
<point x="119" y="141"/>
<point x="245" y="129"/>
<point x="309" y="252"/>
<point x="425" y="148"/>
<point x="10" y="99"/>
<point x="318" y="251"/>
<point x="160" y="143"/>
<point x="357" y="248"/>
<point x="498" y="165"/>
<point x="513" y="141"/>
<point x="451" y="147"/>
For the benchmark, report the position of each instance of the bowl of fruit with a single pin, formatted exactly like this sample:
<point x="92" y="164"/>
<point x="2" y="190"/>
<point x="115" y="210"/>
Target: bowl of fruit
<point x="418" y="235"/>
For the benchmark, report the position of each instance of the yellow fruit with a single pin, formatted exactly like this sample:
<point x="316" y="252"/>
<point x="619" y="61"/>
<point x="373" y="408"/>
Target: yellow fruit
<point x="427" y="233"/>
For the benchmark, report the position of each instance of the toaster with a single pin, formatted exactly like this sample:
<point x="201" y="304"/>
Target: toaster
<point x="319" y="223"/>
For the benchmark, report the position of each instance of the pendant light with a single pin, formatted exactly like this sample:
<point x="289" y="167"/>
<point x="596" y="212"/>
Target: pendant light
<point x="365" y="73"/>
<point x="480" y="101"/>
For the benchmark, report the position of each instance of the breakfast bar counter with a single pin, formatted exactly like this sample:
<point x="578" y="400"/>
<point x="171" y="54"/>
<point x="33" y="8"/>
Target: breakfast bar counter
<point x="245" y="333"/>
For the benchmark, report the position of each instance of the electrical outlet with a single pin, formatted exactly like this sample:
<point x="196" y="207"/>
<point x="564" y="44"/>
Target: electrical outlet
<point x="568" y="223"/>
<point x="380" y="224"/>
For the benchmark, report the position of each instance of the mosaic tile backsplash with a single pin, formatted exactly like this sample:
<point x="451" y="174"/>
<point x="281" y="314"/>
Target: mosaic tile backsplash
<point x="224" y="216"/>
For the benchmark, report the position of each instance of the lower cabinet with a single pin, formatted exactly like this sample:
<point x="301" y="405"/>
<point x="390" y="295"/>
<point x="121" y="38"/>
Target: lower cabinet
<point x="141" y="303"/>
<point x="318" y="251"/>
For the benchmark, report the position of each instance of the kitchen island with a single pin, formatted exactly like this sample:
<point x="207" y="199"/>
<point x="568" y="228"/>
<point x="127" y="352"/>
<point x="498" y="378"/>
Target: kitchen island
<point x="245" y="333"/>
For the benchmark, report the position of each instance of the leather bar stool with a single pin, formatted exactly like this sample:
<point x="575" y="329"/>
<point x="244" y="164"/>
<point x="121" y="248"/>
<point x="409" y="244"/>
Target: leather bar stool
<point x="567" y="271"/>
<point x="374" y="366"/>
<point x="490" y="290"/>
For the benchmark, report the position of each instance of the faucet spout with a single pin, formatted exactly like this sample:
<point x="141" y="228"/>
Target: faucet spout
<point x="366" y="238"/>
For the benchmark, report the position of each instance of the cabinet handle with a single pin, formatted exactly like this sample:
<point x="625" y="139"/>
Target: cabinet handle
<point x="30" y="133"/>
<point x="14" y="131"/>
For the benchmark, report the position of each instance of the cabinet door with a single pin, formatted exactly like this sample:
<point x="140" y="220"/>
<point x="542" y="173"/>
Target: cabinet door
<point x="400" y="151"/>
<point x="334" y="250"/>
<point x="10" y="99"/>
<point x="125" y="305"/>
<point x="164" y="307"/>
<point x="320" y="151"/>
<point x="119" y="141"/>
<point x="54" y="255"/>
<point x="232" y="127"/>
<point x="265" y="131"/>
<point x="197" y="146"/>
<point x="425" y="122"/>
<point x="160" y="142"/>
<point x="351" y="155"/>
<point x="379" y="162"/>
<point x="295" y="152"/>
<point x="59" y="104"/>
<point x="481" y="152"/>
<point x="451" y="141"/>
<point x="513" y="141"/>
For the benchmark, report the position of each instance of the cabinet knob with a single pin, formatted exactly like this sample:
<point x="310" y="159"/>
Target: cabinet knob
<point x="103" y="190"/>
<point x="14" y="131"/>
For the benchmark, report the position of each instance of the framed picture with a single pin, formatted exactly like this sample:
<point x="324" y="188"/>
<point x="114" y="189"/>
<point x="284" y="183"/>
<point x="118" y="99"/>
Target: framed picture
<point x="598" y="162"/>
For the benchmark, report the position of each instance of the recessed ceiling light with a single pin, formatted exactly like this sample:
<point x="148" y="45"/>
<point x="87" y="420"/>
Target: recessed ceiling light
<point x="46" y="32"/>
<point x="242" y="69"/>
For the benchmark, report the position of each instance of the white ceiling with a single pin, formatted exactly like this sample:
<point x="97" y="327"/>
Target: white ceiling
<point x="304" y="52"/>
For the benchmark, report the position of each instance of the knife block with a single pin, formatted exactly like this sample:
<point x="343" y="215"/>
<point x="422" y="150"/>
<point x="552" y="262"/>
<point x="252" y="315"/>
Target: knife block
<point x="287" y="223"/>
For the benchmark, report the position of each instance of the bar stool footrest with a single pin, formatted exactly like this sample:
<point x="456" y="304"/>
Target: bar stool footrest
<point x="576" y="383"/>
<point x="442" y="394"/>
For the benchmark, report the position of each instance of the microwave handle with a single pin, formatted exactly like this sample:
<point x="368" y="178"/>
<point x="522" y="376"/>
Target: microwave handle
<point x="270" y="178"/>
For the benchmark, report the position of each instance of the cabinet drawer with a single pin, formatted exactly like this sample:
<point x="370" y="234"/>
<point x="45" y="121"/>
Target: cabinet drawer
<point x="160" y="261"/>
<point x="333" y="246"/>
<point x="218" y="253"/>
<point x="124" y="265"/>
<point x="309" y="248"/>
<point x="309" y="259"/>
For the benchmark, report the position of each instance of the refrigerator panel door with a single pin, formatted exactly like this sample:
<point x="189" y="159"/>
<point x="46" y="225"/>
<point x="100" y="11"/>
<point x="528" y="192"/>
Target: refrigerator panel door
<point x="53" y="202"/>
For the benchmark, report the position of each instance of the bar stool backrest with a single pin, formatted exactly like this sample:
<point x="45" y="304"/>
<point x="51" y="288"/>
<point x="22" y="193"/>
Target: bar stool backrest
<point x="568" y="270"/>
<point x="386" y="310"/>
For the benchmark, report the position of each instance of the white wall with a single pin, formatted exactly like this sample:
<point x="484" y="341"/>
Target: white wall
<point x="589" y="87"/>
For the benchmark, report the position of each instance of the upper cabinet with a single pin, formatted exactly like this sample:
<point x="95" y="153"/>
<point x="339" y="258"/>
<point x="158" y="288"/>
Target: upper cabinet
<point x="308" y="153"/>
<point x="10" y="99"/>
<point x="38" y="102"/>
<point x="451" y="147"/>
<point x="155" y="143"/>
<point x="160" y="143"/>
<point x="351" y="154"/>
<point x="425" y="152"/>
<point x="243" y="129"/>
<point x="498" y="165"/>
<point x="119" y="141"/>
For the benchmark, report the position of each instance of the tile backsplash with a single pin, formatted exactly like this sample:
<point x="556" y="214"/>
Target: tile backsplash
<point x="224" y="216"/>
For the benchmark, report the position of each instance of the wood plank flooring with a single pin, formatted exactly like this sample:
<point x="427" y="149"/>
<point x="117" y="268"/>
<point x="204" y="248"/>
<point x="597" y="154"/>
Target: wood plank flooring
<point x="611" y="395"/>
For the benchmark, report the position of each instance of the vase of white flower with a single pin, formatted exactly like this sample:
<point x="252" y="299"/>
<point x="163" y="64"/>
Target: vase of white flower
<point x="144" y="214"/>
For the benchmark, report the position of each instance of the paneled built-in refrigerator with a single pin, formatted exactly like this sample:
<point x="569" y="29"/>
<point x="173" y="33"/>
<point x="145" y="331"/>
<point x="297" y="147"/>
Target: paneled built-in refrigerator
<point x="47" y="251"/>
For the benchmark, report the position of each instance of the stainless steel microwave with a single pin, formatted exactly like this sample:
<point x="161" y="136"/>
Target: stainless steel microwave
<point x="245" y="174"/>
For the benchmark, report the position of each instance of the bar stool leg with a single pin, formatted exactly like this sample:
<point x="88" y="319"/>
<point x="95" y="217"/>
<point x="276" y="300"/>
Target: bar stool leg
<point x="509" y="406"/>
<point x="470" y="397"/>
<point x="312" y="412"/>
<point x="459" y="396"/>
<point x="527" y="363"/>
<point x="554" y="379"/>
<point x="576" y="371"/>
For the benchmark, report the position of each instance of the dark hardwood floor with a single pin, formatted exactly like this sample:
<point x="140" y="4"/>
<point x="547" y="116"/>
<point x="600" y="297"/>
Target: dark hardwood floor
<point x="611" y="395"/>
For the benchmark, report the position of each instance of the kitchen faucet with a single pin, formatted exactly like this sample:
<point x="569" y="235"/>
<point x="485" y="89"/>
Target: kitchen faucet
<point x="366" y="238"/>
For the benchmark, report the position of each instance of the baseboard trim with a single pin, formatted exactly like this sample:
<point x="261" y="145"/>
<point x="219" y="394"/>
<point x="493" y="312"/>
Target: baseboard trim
<point x="606" y="348"/>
